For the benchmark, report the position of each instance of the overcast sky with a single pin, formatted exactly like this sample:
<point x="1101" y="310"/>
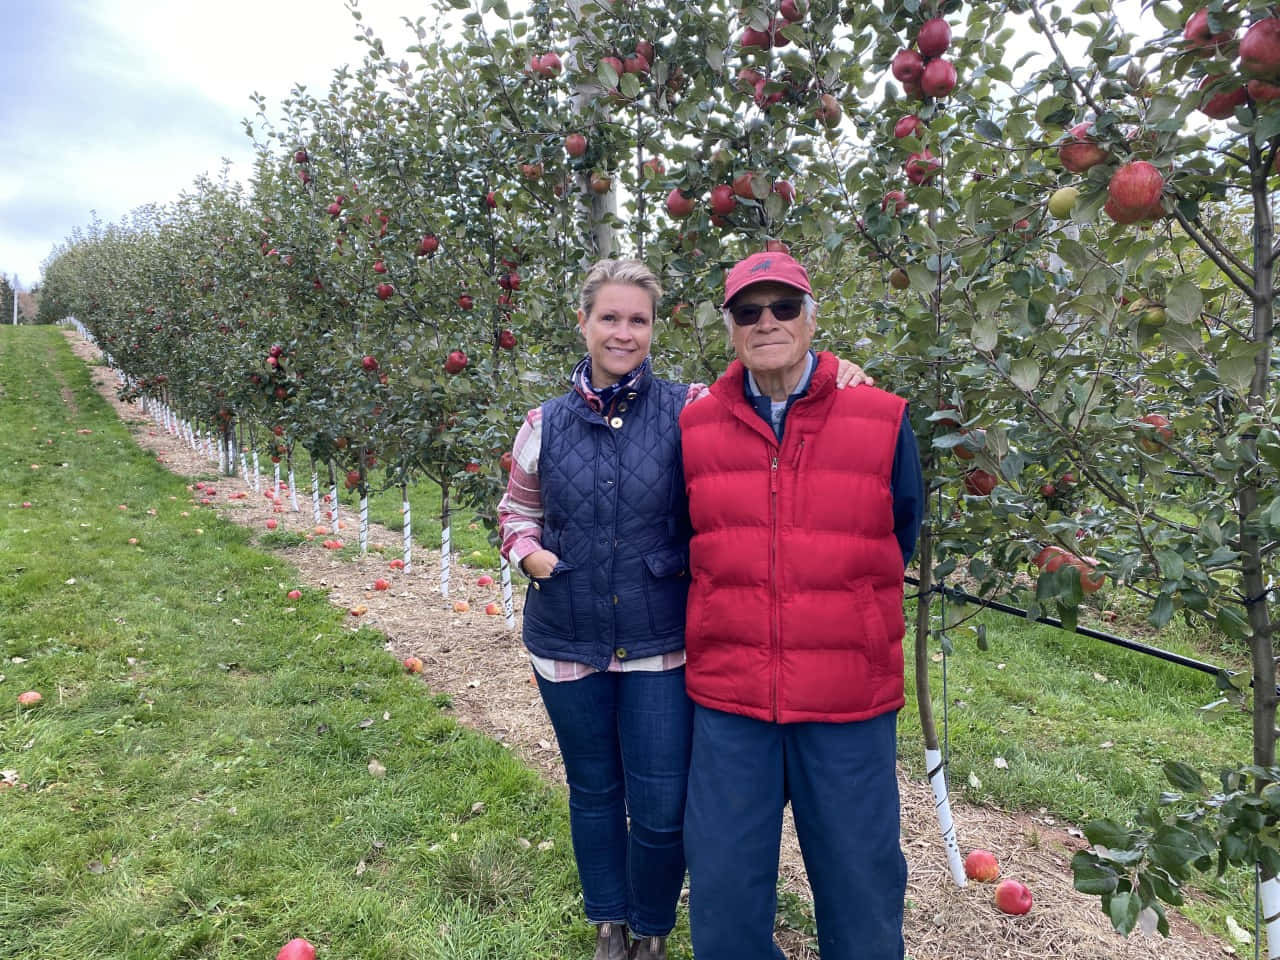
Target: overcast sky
<point x="106" y="105"/>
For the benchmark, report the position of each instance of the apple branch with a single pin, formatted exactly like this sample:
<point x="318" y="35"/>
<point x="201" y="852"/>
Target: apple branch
<point x="1062" y="60"/>
<point x="1246" y="286"/>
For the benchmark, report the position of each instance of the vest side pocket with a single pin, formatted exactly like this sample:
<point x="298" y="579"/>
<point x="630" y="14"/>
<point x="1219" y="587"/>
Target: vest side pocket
<point x="549" y="601"/>
<point x="666" y="585"/>
<point x="874" y="629"/>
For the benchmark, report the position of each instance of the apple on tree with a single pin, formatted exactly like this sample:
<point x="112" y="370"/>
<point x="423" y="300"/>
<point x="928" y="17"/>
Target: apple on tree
<point x="934" y="37"/>
<point x="895" y="197"/>
<point x="455" y="362"/>
<point x="384" y="291"/>
<point x="1082" y="151"/>
<point x="1156" y="434"/>
<point x="1133" y="193"/>
<point x="506" y="340"/>
<point x="575" y="144"/>
<point x="1260" y="48"/>
<point x="723" y="201"/>
<point x="1221" y="106"/>
<point x="906" y="126"/>
<point x="829" y="111"/>
<point x="430" y="244"/>
<point x="979" y="483"/>
<point x="1199" y="36"/>
<point x="907" y="66"/>
<point x="679" y="206"/>
<point x="939" y="78"/>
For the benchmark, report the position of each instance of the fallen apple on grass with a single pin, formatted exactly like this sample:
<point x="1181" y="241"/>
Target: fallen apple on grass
<point x="294" y="594"/>
<point x="272" y="524"/>
<point x="29" y="698"/>
<point x="1013" y="898"/>
<point x="981" y="865"/>
<point x="412" y="664"/>
<point x="298" y="948"/>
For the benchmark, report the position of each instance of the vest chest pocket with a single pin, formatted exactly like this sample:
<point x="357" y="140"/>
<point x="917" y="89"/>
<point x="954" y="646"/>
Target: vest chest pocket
<point x="666" y="588"/>
<point x="549" y="601"/>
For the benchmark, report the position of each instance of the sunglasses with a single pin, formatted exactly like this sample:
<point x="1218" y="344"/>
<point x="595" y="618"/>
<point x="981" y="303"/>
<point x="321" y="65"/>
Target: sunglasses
<point x="746" y="314"/>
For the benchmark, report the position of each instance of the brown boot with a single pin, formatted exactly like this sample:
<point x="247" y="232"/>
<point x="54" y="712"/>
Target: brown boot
<point x="611" y="942"/>
<point x="649" y="948"/>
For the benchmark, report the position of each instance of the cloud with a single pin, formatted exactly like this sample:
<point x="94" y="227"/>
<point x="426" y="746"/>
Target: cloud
<point x="108" y="105"/>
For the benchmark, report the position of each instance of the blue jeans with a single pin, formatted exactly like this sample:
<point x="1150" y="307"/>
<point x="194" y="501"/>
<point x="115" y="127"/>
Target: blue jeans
<point x="625" y="740"/>
<point x="842" y="783"/>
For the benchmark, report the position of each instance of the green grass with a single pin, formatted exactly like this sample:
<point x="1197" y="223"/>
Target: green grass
<point x="198" y="781"/>
<point x="198" y="772"/>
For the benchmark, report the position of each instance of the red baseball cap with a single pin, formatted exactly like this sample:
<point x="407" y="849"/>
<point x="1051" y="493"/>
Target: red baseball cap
<point x="765" y="267"/>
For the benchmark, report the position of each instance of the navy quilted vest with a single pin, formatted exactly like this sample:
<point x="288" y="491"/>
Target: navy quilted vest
<point x="617" y="517"/>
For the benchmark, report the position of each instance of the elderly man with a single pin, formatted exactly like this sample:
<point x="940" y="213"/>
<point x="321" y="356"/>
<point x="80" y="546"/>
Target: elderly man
<point x="806" y="503"/>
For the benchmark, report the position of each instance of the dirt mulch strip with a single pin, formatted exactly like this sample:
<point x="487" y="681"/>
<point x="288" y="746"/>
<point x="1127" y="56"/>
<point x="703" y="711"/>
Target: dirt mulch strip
<point x="482" y="666"/>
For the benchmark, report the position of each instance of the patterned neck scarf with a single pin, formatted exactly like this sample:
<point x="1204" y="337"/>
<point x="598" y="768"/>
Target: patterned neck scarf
<point x="599" y="398"/>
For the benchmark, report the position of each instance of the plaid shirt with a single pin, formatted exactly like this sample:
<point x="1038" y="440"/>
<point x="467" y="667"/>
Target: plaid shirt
<point x="520" y="513"/>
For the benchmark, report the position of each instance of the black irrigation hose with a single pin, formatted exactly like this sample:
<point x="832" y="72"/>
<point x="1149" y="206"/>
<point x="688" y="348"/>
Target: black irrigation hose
<point x="1083" y="631"/>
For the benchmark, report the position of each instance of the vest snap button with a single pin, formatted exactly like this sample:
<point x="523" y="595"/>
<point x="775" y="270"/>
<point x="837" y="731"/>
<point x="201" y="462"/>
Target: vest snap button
<point x="615" y="422"/>
<point x="621" y="653"/>
<point x="622" y="408"/>
<point x="537" y="585"/>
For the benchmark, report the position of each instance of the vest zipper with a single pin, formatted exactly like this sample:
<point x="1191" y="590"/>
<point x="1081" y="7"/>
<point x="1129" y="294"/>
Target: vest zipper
<point x="773" y="584"/>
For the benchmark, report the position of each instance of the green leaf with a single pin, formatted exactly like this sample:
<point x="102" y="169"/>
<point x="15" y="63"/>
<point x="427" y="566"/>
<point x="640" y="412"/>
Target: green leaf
<point x="1025" y="374"/>
<point x="1124" y="909"/>
<point x="1185" y="778"/>
<point x="1173" y="847"/>
<point x="1108" y="833"/>
<point x="1171" y="565"/>
<point x="1184" y="301"/>
<point x="1162" y="611"/>
<point x="1235" y="370"/>
<point x="986" y="129"/>
<point x="985" y="333"/>
<point x="987" y="301"/>
<point x="1268" y="125"/>
<point x="630" y="85"/>
<point x="1091" y="876"/>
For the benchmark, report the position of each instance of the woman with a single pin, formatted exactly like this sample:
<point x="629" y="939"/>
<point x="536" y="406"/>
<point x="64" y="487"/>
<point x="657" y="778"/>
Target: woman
<point x="595" y="515"/>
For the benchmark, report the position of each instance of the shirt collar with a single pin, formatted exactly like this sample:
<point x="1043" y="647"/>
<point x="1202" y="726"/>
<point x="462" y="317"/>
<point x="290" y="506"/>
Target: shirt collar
<point x="811" y="361"/>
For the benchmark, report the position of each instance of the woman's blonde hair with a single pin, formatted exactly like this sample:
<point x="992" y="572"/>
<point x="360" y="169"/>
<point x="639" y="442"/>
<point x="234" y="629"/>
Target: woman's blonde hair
<point x="632" y="272"/>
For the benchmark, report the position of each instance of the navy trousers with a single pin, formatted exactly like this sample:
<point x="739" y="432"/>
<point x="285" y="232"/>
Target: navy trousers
<point x="625" y="742"/>
<point x="841" y="781"/>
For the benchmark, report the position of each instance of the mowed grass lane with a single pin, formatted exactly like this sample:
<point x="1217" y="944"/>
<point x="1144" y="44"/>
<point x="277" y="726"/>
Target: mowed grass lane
<point x="198" y="775"/>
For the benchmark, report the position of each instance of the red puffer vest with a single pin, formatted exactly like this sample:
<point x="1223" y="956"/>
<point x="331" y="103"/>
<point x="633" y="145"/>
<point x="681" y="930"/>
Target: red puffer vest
<point x="795" y="609"/>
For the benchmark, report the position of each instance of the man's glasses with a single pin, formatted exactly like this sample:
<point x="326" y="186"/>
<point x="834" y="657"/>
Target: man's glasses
<point x="746" y="314"/>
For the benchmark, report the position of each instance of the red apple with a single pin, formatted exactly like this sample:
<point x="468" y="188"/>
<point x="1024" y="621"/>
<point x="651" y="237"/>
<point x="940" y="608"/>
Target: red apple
<point x="907" y="66"/>
<point x="412" y="664"/>
<point x="466" y="302"/>
<point x="456" y="362"/>
<point x="381" y="584"/>
<point x="895" y="197"/>
<point x="785" y="190"/>
<point x="384" y="291"/>
<point x="429" y="245"/>
<point x="575" y="144"/>
<point x="1221" y="106"/>
<point x="646" y="50"/>
<point x="1083" y="151"/>
<point x="599" y="183"/>
<point x="370" y="364"/>
<point x="1047" y="490"/>
<point x="899" y="279"/>
<point x="654" y="166"/>
<point x="353" y="479"/>
<point x="829" y="111"/>
<point x="722" y="200"/>
<point x="906" y="126"/>
<point x="790" y="11"/>
<point x="678" y="205"/>
<point x="297" y="949"/>
<point x="506" y="340"/>
<point x="301" y="157"/>
<point x="921" y="167"/>
<point x="979" y="483"/>
<point x="1155" y="439"/>
<point x="1198" y="35"/>
<point x="484" y="580"/>
<point x="635" y="64"/>
<point x="1013" y="897"/>
<point x="1134" y="192"/>
<point x="493" y="608"/>
<point x="777" y="246"/>
<point x="334" y="209"/>
<point x="491" y="200"/>
<point x="294" y="594"/>
<point x="755" y="39"/>
<point x="29" y="698"/>
<point x="461" y="606"/>
<point x="934" y="37"/>
<point x="742" y="186"/>
<point x="396" y="564"/>
<point x="505" y="461"/>
<point x="379" y="267"/>
<point x="1260" y="48"/>
<point x="272" y="524"/>
<point x="981" y="865"/>
<point x="546" y="66"/>
<point x="1263" y="91"/>
<point x="939" y="78"/>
